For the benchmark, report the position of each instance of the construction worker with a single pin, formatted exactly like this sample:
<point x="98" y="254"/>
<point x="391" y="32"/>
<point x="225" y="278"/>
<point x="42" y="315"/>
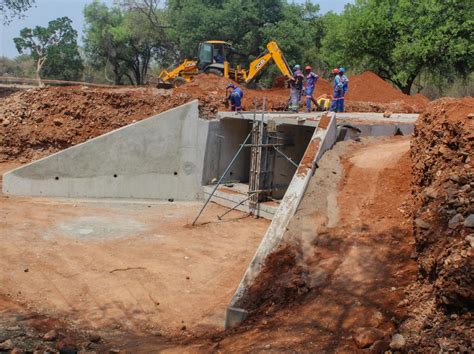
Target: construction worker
<point x="299" y="77"/>
<point x="293" y="100"/>
<point x="311" y="79"/>
<point x="235" y="97"/>
<point x="340" y="89"/>
<point x="296" y="89"/>
<point x="219" y="57"/>
<point x="344" y="84"/>
<point x="323" y="103"/>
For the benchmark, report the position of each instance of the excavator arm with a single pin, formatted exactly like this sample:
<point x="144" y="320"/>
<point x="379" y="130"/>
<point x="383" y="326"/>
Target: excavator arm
<point x="272" y="52"/>
<point x="185" y="69"/>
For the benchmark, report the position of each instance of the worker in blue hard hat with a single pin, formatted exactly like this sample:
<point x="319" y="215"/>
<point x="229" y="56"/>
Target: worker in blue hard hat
<point x="296" y="89"/>
<point x="235" y="97"/>
<point x="341" y="86"/>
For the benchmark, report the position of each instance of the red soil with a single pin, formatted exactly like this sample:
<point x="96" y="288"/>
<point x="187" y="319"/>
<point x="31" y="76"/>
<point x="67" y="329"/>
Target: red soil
<point x="38" y="122"/>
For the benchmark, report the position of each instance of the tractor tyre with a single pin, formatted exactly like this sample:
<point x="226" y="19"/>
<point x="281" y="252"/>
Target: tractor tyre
<point x="214" y="71"/>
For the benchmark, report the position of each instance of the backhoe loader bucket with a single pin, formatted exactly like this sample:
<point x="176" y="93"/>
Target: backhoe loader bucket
<point x="164" y="85"/>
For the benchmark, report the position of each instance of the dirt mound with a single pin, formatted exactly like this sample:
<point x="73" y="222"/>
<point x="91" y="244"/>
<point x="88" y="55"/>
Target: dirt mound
<point x="38" y="122"/>
<point x="367" y="93"/>
<point x="210" y="90"/>
<point x="369" y="87"/>
<point x="281" y="281"/>
<point x="443" y="217"/>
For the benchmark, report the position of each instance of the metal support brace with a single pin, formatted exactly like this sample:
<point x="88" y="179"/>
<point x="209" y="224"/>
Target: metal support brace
<point x="286" y="157"/>
<point x="222" y="177"/>
<point x="234" y="207"/>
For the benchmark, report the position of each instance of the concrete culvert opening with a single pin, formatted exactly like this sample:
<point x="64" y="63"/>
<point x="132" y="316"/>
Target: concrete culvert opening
<point x="262" y="172"/>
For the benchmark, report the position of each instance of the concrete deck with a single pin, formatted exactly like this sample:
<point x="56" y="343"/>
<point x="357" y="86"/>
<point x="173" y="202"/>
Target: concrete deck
<point x="311" y="119"/>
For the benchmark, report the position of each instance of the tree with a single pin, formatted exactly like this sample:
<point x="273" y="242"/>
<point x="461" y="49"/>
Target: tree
<point x="398" y="39"/>
<point x="57" y="42"/>
<point x="126" y="38"/>
<point x="299" y="32"/>
<point x="14" y="8"/>
<point x="21" y="66"/>
<point x="240" y="22"/>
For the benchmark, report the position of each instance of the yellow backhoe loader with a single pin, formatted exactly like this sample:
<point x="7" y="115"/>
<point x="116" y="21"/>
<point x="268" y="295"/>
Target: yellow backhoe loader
<point x="220" y="58"/>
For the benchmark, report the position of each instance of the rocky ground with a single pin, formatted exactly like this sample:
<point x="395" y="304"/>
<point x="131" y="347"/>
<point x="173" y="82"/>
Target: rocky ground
<point x="442" y="301"/>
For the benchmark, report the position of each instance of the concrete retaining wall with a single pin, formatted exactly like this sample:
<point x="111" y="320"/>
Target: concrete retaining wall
<point x="160" y="157"/>
<point x="324" y="137"/>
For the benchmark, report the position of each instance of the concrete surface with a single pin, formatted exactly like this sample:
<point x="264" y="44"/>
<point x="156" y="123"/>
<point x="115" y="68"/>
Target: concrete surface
<point x="311" y="118"/>
<point x="161" y="157"/>
<point x="325" y="138"/>
<point x="230" y="197"/>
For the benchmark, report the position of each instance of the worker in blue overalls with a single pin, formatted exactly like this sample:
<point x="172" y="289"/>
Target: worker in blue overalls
<point x="340" y="89"/>
<point x="235" y="97"/>
<point x="345" y="87"/>
<point x="299" y="77"/>
<point x="296" y="89"/>
<point x="311" y="79"/>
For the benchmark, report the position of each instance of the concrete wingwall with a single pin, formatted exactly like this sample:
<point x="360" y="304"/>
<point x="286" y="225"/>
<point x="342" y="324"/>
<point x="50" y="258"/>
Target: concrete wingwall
<point x="324" y="137"/>
<point x="161" y="157"/>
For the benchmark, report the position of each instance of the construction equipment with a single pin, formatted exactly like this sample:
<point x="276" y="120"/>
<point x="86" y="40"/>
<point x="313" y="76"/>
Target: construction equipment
<point x="220" y="58"/>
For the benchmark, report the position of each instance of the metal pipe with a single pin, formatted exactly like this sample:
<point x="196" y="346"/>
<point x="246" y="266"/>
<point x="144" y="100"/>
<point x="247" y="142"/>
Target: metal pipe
<point x="234" y="207"/>
<point x="286" y="157"/>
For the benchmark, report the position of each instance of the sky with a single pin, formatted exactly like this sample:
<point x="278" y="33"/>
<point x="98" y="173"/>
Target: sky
<point x="47" y="10"/>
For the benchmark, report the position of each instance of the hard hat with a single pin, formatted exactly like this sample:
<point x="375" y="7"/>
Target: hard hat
<point x="231" y="86"/>
<point x="342" y="70"/>
<point x="335" y="71"/>
<point x="308" y="68"/>
<point x="297" y="67"/>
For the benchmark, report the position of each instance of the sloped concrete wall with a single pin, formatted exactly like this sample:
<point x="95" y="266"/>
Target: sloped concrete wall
<point x="160" y="157"/>
<point x="324" y="137"/>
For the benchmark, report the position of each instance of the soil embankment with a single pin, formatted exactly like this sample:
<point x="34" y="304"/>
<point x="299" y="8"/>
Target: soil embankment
<point x="442" y="302"/>
<point x="38" y="122"/>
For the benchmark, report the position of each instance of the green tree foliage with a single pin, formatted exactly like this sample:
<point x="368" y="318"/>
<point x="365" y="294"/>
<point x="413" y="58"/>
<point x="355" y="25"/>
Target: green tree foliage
<point x="55" y="45"/>
<point x="299" y="32"/>
<point x="14" y="8"/>
<point x="124" y="39"/>
<point x="398" y="39"/>
<point x="241" y="22"/>
<point x="21" y="66"/>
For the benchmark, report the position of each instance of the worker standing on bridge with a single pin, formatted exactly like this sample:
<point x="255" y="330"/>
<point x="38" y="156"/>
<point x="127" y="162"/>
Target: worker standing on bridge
<point x="296" y="89"/>
<point x="340" y="89"/>
<point x="299" y="77"/>
<point x="311" y="79"/>
<point x="235" y="97"/>
<point x="344" y="84"/>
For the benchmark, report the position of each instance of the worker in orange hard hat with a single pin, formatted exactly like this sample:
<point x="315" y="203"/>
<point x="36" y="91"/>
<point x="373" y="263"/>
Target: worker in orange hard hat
<point x="340" y="89"/>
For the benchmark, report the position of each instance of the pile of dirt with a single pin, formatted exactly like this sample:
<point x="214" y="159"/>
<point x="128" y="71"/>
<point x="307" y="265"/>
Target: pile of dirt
<point x="37" y="122"/>
<point x="443" y="217"/>
<point x="367" y="93"/>
<point x="369" y="87"/>
<point x="281" y="281"/>
<point x="210" y="90"/>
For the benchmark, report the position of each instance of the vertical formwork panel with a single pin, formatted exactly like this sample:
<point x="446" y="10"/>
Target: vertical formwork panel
<point x="296" y="139"/>
<point x="224" y="139"/>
